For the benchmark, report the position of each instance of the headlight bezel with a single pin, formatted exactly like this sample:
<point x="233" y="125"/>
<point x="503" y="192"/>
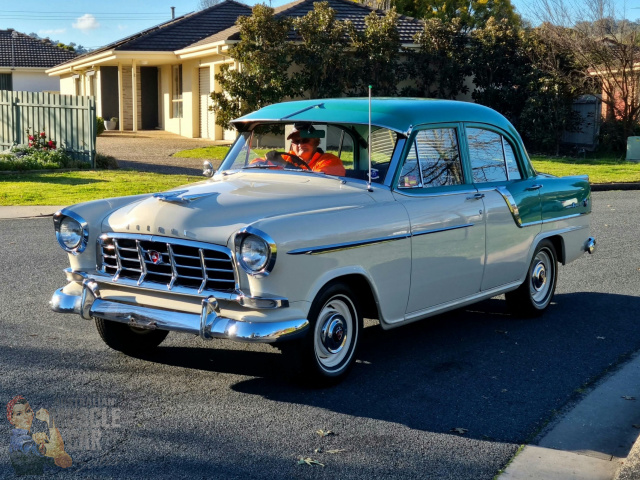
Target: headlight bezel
<point x="270" y="245"/>
<point x="80" y="247"/>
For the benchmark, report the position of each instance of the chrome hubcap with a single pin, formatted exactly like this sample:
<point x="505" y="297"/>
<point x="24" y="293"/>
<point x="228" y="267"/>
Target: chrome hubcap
<point x="539" y="276"/>
<point x="541" y="283"/>
<point x="334" y="333"/>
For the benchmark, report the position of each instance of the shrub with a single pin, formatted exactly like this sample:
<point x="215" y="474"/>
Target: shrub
<point x="20" y="160"/>
<point x="99" y="125"/>
<point x="612" y="137"/>
<point x="106" y="162"/>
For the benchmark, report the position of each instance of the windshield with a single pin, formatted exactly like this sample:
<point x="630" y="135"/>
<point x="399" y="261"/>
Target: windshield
<point x="326" y="149"/>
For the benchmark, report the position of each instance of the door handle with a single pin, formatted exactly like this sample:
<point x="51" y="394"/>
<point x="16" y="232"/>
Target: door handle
<point x="533" y="187"/>
<point x="477" y="196"/>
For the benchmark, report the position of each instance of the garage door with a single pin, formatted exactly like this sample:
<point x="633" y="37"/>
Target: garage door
<point x="207" y="126"/>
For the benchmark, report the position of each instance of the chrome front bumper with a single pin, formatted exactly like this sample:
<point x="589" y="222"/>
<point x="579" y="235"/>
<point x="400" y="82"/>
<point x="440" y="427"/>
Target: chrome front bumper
<point x="209" y="324"/>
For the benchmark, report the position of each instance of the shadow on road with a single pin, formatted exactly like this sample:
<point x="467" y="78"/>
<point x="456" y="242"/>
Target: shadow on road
<point x="496" y="375"/>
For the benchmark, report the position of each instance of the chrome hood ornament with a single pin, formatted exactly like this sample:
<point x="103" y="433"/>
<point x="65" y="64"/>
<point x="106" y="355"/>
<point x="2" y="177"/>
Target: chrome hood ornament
<point x="180" y="197"/>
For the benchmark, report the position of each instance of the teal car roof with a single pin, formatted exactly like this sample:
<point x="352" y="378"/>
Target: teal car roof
<point x="398" y="114"/>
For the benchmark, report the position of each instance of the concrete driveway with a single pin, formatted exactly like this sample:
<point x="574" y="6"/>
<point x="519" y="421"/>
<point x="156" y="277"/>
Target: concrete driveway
<point x="152" y="150"/>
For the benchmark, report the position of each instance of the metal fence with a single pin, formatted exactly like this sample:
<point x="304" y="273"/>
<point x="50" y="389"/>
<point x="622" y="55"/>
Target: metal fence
<point x="69" y="120"/>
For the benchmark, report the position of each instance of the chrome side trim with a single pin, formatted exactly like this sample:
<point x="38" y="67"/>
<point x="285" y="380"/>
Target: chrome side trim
<point x="513" y="206"/>
<point x="436" y="194"/>
<point x="438" y="230"/>
<point x="565" y="217"/>
<point x="346" y="245"/>
<point x="208" y="324"/>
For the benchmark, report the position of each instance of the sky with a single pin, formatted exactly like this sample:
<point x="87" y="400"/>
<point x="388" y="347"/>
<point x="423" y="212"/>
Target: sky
<point x="94" y="24"/>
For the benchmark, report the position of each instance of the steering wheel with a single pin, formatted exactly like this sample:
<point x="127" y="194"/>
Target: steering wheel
<point x="276" y="157"/>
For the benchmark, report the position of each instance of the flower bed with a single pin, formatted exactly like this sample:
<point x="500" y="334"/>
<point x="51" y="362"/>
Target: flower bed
<point x="40" y="154"/>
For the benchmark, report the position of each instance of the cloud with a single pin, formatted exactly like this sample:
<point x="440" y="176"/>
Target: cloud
<point x="86" y="22"/>
<point x="53" y="31"/>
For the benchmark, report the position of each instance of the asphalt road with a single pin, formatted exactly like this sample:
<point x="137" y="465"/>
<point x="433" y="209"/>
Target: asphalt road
<point x="224" y="410"/>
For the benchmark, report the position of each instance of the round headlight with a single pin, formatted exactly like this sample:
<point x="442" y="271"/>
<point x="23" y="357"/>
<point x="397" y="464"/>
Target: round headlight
<point x="254" y="253"/>
<point x="70" y="232"/>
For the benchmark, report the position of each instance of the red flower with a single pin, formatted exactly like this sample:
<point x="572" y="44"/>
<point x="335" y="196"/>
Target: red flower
<point x="30" y="137"/>
<point x="42" y="134"/>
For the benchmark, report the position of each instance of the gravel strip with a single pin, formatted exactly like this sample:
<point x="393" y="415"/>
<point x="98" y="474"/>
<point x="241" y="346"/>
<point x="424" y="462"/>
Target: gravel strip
<point x="152" y="150"/>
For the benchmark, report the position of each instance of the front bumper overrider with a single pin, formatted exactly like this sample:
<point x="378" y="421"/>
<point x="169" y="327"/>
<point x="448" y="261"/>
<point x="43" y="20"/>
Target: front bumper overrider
<point x="208" y="324"/>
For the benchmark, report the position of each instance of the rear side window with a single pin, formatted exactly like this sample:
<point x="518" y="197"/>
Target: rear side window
<point x="433" y="160"/>
<point x="491" y="157"/>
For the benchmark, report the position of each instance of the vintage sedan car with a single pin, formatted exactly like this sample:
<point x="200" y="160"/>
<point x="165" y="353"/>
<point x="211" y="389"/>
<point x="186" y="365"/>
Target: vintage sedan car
<point x="434" y="205"/>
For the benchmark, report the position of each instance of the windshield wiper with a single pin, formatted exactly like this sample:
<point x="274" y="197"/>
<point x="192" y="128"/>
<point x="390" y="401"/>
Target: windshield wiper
<point x="260" y="166"/>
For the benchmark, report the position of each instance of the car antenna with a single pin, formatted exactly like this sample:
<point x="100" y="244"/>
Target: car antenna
<point x="369" y="142"/>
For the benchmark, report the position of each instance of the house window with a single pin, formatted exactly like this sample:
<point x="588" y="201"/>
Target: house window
<point x="6" y="82"/>
<point x="176" y="91"/>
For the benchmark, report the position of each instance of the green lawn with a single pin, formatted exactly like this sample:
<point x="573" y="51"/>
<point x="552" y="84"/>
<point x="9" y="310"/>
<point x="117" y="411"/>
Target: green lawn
<point x="80" y="186"/>
<point x="600" y="170"/>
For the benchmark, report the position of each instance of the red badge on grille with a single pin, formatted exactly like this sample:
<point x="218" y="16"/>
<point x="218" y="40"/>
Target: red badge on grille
<point x="155" y="257"/>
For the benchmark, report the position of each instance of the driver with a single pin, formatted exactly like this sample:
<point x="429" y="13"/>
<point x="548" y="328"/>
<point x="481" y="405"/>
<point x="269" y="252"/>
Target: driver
<point x="307" y="149"/>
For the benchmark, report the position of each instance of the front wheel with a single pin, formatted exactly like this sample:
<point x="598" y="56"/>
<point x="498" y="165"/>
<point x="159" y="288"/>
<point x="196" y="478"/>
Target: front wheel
<point x="327" y="353"/>
<point x="127" y="339"/>
<point x="534" y="295"/>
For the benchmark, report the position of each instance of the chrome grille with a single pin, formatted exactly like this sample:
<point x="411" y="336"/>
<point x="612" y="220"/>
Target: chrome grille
<point x="166" y="261"/>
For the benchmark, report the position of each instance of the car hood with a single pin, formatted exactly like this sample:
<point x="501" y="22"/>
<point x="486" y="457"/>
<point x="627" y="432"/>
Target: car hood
<point x="213" y="210"/>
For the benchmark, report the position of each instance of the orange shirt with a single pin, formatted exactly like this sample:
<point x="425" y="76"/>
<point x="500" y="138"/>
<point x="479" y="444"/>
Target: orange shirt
<point x="327" y="163"/>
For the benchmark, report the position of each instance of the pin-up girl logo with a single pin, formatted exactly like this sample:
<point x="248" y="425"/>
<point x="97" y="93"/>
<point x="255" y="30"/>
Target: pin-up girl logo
<point x="30" y="453"/>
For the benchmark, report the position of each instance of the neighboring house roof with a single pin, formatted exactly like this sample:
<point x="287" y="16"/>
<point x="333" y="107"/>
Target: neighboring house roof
<point x="345" y="10"/>
<point x="180" y="32"/>
<point x="19" y="50"/>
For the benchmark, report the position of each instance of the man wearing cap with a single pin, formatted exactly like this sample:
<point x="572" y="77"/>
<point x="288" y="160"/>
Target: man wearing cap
<point x="307" y="149"/>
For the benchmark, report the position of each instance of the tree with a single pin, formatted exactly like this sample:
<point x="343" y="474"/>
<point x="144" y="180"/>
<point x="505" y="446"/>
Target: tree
<point x="376" y="54"/>
<point x="501" y="70"/>
<point x="324" y="69"/>
<point x="609" y="49"/>
<point x="262" y="58"/>
<point x="473" y="13"/>
<point x="440" y="66"/>
<point x="556" y="81"/>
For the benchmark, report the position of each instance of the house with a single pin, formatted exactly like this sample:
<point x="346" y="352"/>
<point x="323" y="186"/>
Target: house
<point x="24" y="61"/>
<point x="162" y="77"/>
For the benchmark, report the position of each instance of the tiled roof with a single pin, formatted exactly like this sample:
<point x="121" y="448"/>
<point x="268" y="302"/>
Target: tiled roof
<point x="20" y="50"/>
<point x="182" y="31"/>
<point x="345" y="10"/>
<point x="191" y="28"/>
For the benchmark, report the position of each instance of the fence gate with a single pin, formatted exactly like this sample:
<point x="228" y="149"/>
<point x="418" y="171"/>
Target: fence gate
<point x="68" y="119"/>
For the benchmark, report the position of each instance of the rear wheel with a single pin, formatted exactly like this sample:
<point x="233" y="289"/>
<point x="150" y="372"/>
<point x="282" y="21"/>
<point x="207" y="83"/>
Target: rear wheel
<point x="534" y="295"/>
<point x="327" y="353"/>
<point x="127" y="339"/>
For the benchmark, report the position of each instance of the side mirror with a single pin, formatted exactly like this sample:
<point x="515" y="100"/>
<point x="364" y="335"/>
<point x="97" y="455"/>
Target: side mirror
<point x="207" y="169"/>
